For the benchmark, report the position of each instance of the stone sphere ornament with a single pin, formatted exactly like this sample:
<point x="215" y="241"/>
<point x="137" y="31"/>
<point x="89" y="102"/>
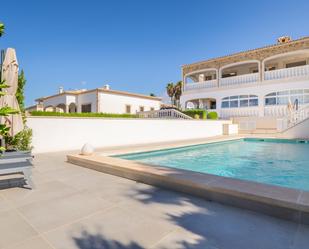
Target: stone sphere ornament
<point x="87" y="150"/>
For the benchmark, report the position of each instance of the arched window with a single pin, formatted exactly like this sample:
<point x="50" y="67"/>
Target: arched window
<point x="283" y="97"/>
<point x="240" y="101"/>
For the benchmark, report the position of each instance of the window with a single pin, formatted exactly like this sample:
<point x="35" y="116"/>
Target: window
<point x="151" y="108"/>
<point x="86" y="108"/>
<point x="283" y="97"/>
<point x="244" y="103"/>
<point x="225" y="104"/>
<point x="141" y="108"/>
<point x="128" y="109"/>
<point x="240" y="101"/>
<point x="234" y="103"/>
<point x="295" y="64"/>
<point x="208" y="77"/>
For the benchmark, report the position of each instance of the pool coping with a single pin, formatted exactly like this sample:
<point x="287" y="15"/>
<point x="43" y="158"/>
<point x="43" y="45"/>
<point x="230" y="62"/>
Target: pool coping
<point x="286" y="203"/>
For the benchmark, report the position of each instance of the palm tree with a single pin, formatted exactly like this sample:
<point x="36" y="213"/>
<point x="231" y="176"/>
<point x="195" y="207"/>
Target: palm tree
<point x="178" y="92"/>
<point x="1" y="29"/>
<point x="170" y="90"/>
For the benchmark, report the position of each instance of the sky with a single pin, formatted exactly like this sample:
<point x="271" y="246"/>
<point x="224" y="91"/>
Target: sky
<point x="136" y="45"/>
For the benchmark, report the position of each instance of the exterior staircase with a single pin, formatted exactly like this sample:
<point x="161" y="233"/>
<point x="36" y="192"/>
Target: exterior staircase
<point x="293" y="119"/>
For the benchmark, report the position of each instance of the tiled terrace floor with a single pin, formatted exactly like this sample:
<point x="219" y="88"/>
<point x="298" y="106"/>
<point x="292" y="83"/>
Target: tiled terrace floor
<point x="73" y="207"/>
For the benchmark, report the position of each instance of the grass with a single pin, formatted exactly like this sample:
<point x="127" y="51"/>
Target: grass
<point x="82" y="115"/>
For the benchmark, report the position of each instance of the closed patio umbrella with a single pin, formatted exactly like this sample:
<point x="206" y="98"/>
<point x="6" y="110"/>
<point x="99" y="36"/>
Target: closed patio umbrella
<point x="10" y="75"/>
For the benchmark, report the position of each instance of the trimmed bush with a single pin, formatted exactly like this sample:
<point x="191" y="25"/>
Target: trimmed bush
<point x="201" y="113"/>
<point x="85" y="115"/>
<point x="212" y="115"/>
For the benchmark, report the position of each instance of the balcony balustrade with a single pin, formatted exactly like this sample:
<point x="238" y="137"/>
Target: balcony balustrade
<point x="287" y="73"/>
<point x="240" y="79"/>
<point x="201" y="85"/>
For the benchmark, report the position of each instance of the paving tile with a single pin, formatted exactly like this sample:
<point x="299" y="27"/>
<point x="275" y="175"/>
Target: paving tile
<point x="4" y="204"/>
<point x="45" y="191"/>
<point x="46" y="215"/>
<point x="14" y="229"/>
<point x="182" y="239"/>
<point x="113" y="227"/>
<point x="301" y="239"/>
<point x="34" y="243"/>
<point x="237" y="228"/>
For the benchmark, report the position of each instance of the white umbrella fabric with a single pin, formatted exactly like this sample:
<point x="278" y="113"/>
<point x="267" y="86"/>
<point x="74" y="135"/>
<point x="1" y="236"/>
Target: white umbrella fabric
<point x="10" y="75"/>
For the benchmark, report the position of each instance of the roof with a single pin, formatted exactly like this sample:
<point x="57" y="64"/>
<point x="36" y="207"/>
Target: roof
<point x="83" y="91"/>
<point x="256" y="50"/>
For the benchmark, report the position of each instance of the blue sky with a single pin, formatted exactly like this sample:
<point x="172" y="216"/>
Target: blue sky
<point x="136" y="45"/>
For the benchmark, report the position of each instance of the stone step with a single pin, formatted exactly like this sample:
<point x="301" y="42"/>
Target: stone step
<point x="264" y="131"/>
<point x="11" y="180"/>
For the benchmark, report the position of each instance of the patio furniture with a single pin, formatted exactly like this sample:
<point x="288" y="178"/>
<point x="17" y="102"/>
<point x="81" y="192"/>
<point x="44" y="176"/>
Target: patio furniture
<point x="17" y="163"/>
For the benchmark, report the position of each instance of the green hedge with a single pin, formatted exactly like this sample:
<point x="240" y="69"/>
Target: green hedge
<point x="192" y="113"/>
<point x="212" y="115"/>
<point x="88" y="114"/>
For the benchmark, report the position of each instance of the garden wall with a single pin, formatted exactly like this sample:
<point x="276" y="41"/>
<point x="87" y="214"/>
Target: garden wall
<point x="63" y="133"/>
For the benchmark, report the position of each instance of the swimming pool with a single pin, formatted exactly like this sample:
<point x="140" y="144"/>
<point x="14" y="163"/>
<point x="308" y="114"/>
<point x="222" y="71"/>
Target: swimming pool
<point x="273" y="161"/>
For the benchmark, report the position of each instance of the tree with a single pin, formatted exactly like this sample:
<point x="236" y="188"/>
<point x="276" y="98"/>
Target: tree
<point x="152" y="95"/>
<point x="174" y="91"/>
<point x="178" y="92"/>
<point x="1" y="29"/>
<point x="20" y="91"/>
<point x="170" y="90"/>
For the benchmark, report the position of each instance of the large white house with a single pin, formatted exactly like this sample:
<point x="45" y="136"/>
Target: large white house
<point x="255" y="83"/>
<point x="100" y="100"/>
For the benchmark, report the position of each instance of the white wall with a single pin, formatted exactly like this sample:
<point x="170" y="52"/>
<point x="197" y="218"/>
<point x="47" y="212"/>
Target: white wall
<point x="58" y="134"/>
<point x="115" y="103"/>
<point x="54" y="101"/>
<point x="87" y="98"/>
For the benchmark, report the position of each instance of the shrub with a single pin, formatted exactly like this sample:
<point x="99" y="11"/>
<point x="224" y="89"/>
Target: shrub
<point x="201" y="113"/>
<point x="212" y="115"/>
<point x="196" y="116"/>
<point x="21" y="141"/>
<point x="88" y="114"/>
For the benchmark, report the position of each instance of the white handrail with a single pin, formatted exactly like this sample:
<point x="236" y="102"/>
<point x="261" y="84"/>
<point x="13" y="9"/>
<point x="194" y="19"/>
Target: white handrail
<point x="295" y="117"/>
<point x="164" y="114"/>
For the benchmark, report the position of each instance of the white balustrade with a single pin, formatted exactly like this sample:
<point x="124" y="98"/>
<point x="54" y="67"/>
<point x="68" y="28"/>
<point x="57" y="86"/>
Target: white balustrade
<point x="201" y="85"/>
<point x="164" y="114"/>
<point x="240" y="79"/>
<point x="287" y="73"/>
<point x="239" y="112"/>
<point x="275" y="111"/>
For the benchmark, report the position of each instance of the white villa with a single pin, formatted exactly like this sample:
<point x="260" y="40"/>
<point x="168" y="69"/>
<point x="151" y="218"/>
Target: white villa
<point x="255" y="83"/>
<point x="100" y="100"/>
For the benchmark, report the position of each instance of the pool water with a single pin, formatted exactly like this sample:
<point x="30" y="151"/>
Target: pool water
<point x="279" y="162"/>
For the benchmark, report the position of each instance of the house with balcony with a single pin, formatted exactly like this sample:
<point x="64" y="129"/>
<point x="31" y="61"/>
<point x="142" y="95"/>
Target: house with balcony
<point x="258" y="83"/>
